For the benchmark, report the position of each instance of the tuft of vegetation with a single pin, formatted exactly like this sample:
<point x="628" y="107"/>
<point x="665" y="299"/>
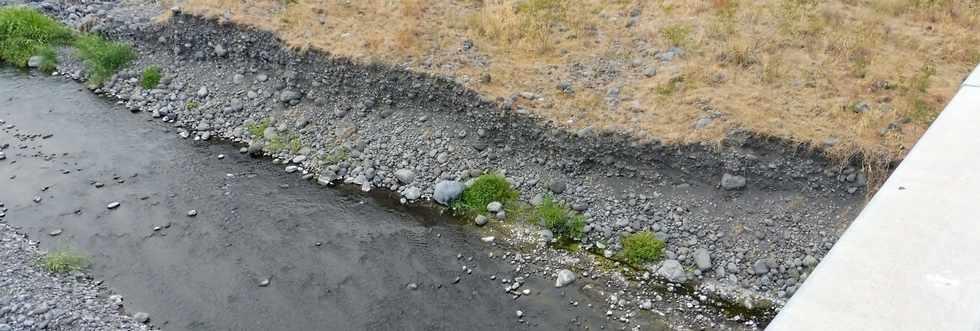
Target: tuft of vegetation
<point x="561" y="220"/>
<point x="25" y="32"/>
<point x="63" y="261"/>
<point x="257" y="130"/>
<point x="484" y="190"/>
<point x="49" y="60"/>
<point x="337" y="156"/>
<point x="103" y="58"/>
<point x="641" y="248"/>
<point x="676" y="35"/>
<point x="191" y="105"/>
<point x="151" y="77"/>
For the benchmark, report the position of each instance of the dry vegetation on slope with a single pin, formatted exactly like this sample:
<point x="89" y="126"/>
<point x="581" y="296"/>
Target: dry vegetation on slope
<point x="849" y="75"/>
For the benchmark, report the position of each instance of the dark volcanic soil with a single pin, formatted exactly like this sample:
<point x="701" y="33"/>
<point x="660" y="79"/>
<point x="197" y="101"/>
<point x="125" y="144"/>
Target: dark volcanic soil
<point x="204" y="272"/>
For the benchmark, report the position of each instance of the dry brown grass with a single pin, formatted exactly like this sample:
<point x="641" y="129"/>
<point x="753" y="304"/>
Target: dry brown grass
<point x="788" y="68"/>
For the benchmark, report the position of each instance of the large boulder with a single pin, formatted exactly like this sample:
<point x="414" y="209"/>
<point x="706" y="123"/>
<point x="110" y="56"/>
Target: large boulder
<point x="448" y="191"/>
<point x="672" y="270"/>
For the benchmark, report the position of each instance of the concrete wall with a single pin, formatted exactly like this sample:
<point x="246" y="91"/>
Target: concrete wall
<point x="911" y="259"/>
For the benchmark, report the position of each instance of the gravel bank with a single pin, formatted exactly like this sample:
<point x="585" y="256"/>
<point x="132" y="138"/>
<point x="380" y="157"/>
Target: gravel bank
<point x="744" y="221"/>
<point x="34" y="299"/>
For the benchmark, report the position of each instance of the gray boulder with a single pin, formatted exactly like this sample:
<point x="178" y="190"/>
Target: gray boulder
<point x="412" y="193"/>
<point x="702" y="258"/>
<point x="731" y="182"/>
<point x="672" y="270"/>
<point x="447" y="191"/>
<point x="405" y="176"/>
<point x="565" y="277"/>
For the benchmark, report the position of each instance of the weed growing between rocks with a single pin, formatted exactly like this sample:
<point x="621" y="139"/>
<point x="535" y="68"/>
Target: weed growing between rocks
<point x="191" y="105"/>
<point x="641" y="248"/>
<point x="484" y="190"/>
<point x="63" y="261"/>
<point x="25" y="33"/>
<point x="49" y="60"/>
<point x="151" y="77"/>
<point x="561" y="220"/>
<point x="257" y="130"/>
<point x="103" y="58"/>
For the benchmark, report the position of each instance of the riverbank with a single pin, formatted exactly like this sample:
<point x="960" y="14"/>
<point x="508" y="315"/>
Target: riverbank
<point x="362" y="124"/>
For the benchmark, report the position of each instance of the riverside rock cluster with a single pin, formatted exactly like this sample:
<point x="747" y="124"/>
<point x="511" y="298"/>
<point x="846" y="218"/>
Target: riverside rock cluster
<point x="751" y="215"/>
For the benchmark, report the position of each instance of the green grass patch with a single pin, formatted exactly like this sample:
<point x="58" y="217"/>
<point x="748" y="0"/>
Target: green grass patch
<point x="103" y="58"/>
<point x="641" y="247"/>
<point x="484" y="190"/>
<point x="191" y="105"/>
<point x="49" y="60"/>
<point x="151" y="77"/>
<point x="25" y="32"/>
<point x="676" y="35"/>
<point x="63" y="261"/>
<point x="257" y="130"/>
<point x="338" y="155"/>
<point x="563" y="222"/>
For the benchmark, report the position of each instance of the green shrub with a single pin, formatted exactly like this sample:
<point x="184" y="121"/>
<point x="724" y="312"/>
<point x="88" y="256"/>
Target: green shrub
<point x="561" y="220"/>
<point x="151" y="77"/>
<point x="25" y="32"/>
<point x="191" y="105"/>
<point x="641" y="247"/>
<point x="103" y="58"/>
<point x="63" y="261"/>
<point x="484" y="190"/>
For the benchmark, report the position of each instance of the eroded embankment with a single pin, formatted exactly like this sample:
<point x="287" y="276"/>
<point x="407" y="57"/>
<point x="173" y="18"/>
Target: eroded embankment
<point x="363" y="123"/>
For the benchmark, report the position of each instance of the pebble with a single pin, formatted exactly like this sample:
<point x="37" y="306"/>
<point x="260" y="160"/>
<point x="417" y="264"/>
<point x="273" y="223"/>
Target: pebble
<point x="495" y="207"/>
<point x="520" y="314"/>
<point x="55" y="233"/>
<point x="405" y="176"/>
<point x="265" y="282"/>
<point x="192" y="213"/>
<point x="113" y="205"/>
<point x="141" y="317"/>
<point x="222" y="156"/>
<point x="481" y="220"/>
<point x="557" y="186"/>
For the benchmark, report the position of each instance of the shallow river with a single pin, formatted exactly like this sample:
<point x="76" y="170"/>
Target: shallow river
<point x="254" y="223"/>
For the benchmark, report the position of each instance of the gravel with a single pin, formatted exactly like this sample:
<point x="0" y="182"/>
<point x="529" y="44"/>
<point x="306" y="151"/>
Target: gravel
<point x="34" y="299"/>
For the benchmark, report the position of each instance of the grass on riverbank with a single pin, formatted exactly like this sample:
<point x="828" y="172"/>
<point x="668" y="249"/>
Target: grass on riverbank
<point x="151" y="77"/>
<point x="25" y="33"/>
<point x="563" y="222"/>
<point x="103" y="58"/>
<point x="63" y="261"/>
<point x="641" y="248"/>
<point x="484" y="190"/>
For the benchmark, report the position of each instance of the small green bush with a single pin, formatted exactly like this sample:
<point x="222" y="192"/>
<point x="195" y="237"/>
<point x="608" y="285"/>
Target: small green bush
<point x="25" y="32"/>
<point x="191" y="105"/>
<point x="151" y="77"/>
<point x="484" y="190"/>
<point x="641" y="247"/>
<point x="63" y="261"/>
<point x="561" y="220"/>
<point x="103" y="58"/>
<point x="337" y="156"/>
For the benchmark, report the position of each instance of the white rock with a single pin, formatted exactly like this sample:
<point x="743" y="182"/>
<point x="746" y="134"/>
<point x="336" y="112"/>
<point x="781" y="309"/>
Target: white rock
<point x="565" y="277"/>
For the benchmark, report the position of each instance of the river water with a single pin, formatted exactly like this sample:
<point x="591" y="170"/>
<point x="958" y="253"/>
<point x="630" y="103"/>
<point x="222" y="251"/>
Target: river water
<point x="337" y="259"/>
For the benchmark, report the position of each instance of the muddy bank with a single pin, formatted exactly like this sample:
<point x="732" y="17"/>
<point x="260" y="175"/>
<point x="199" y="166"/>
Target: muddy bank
<point x="332" y="256"/>
<point x="362" y="123"/>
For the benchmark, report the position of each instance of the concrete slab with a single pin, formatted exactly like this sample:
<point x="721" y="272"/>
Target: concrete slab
<point x="911" y="259"/>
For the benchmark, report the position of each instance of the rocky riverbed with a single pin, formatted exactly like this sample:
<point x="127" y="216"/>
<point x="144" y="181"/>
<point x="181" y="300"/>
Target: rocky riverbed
<point x="744" y="220"/>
